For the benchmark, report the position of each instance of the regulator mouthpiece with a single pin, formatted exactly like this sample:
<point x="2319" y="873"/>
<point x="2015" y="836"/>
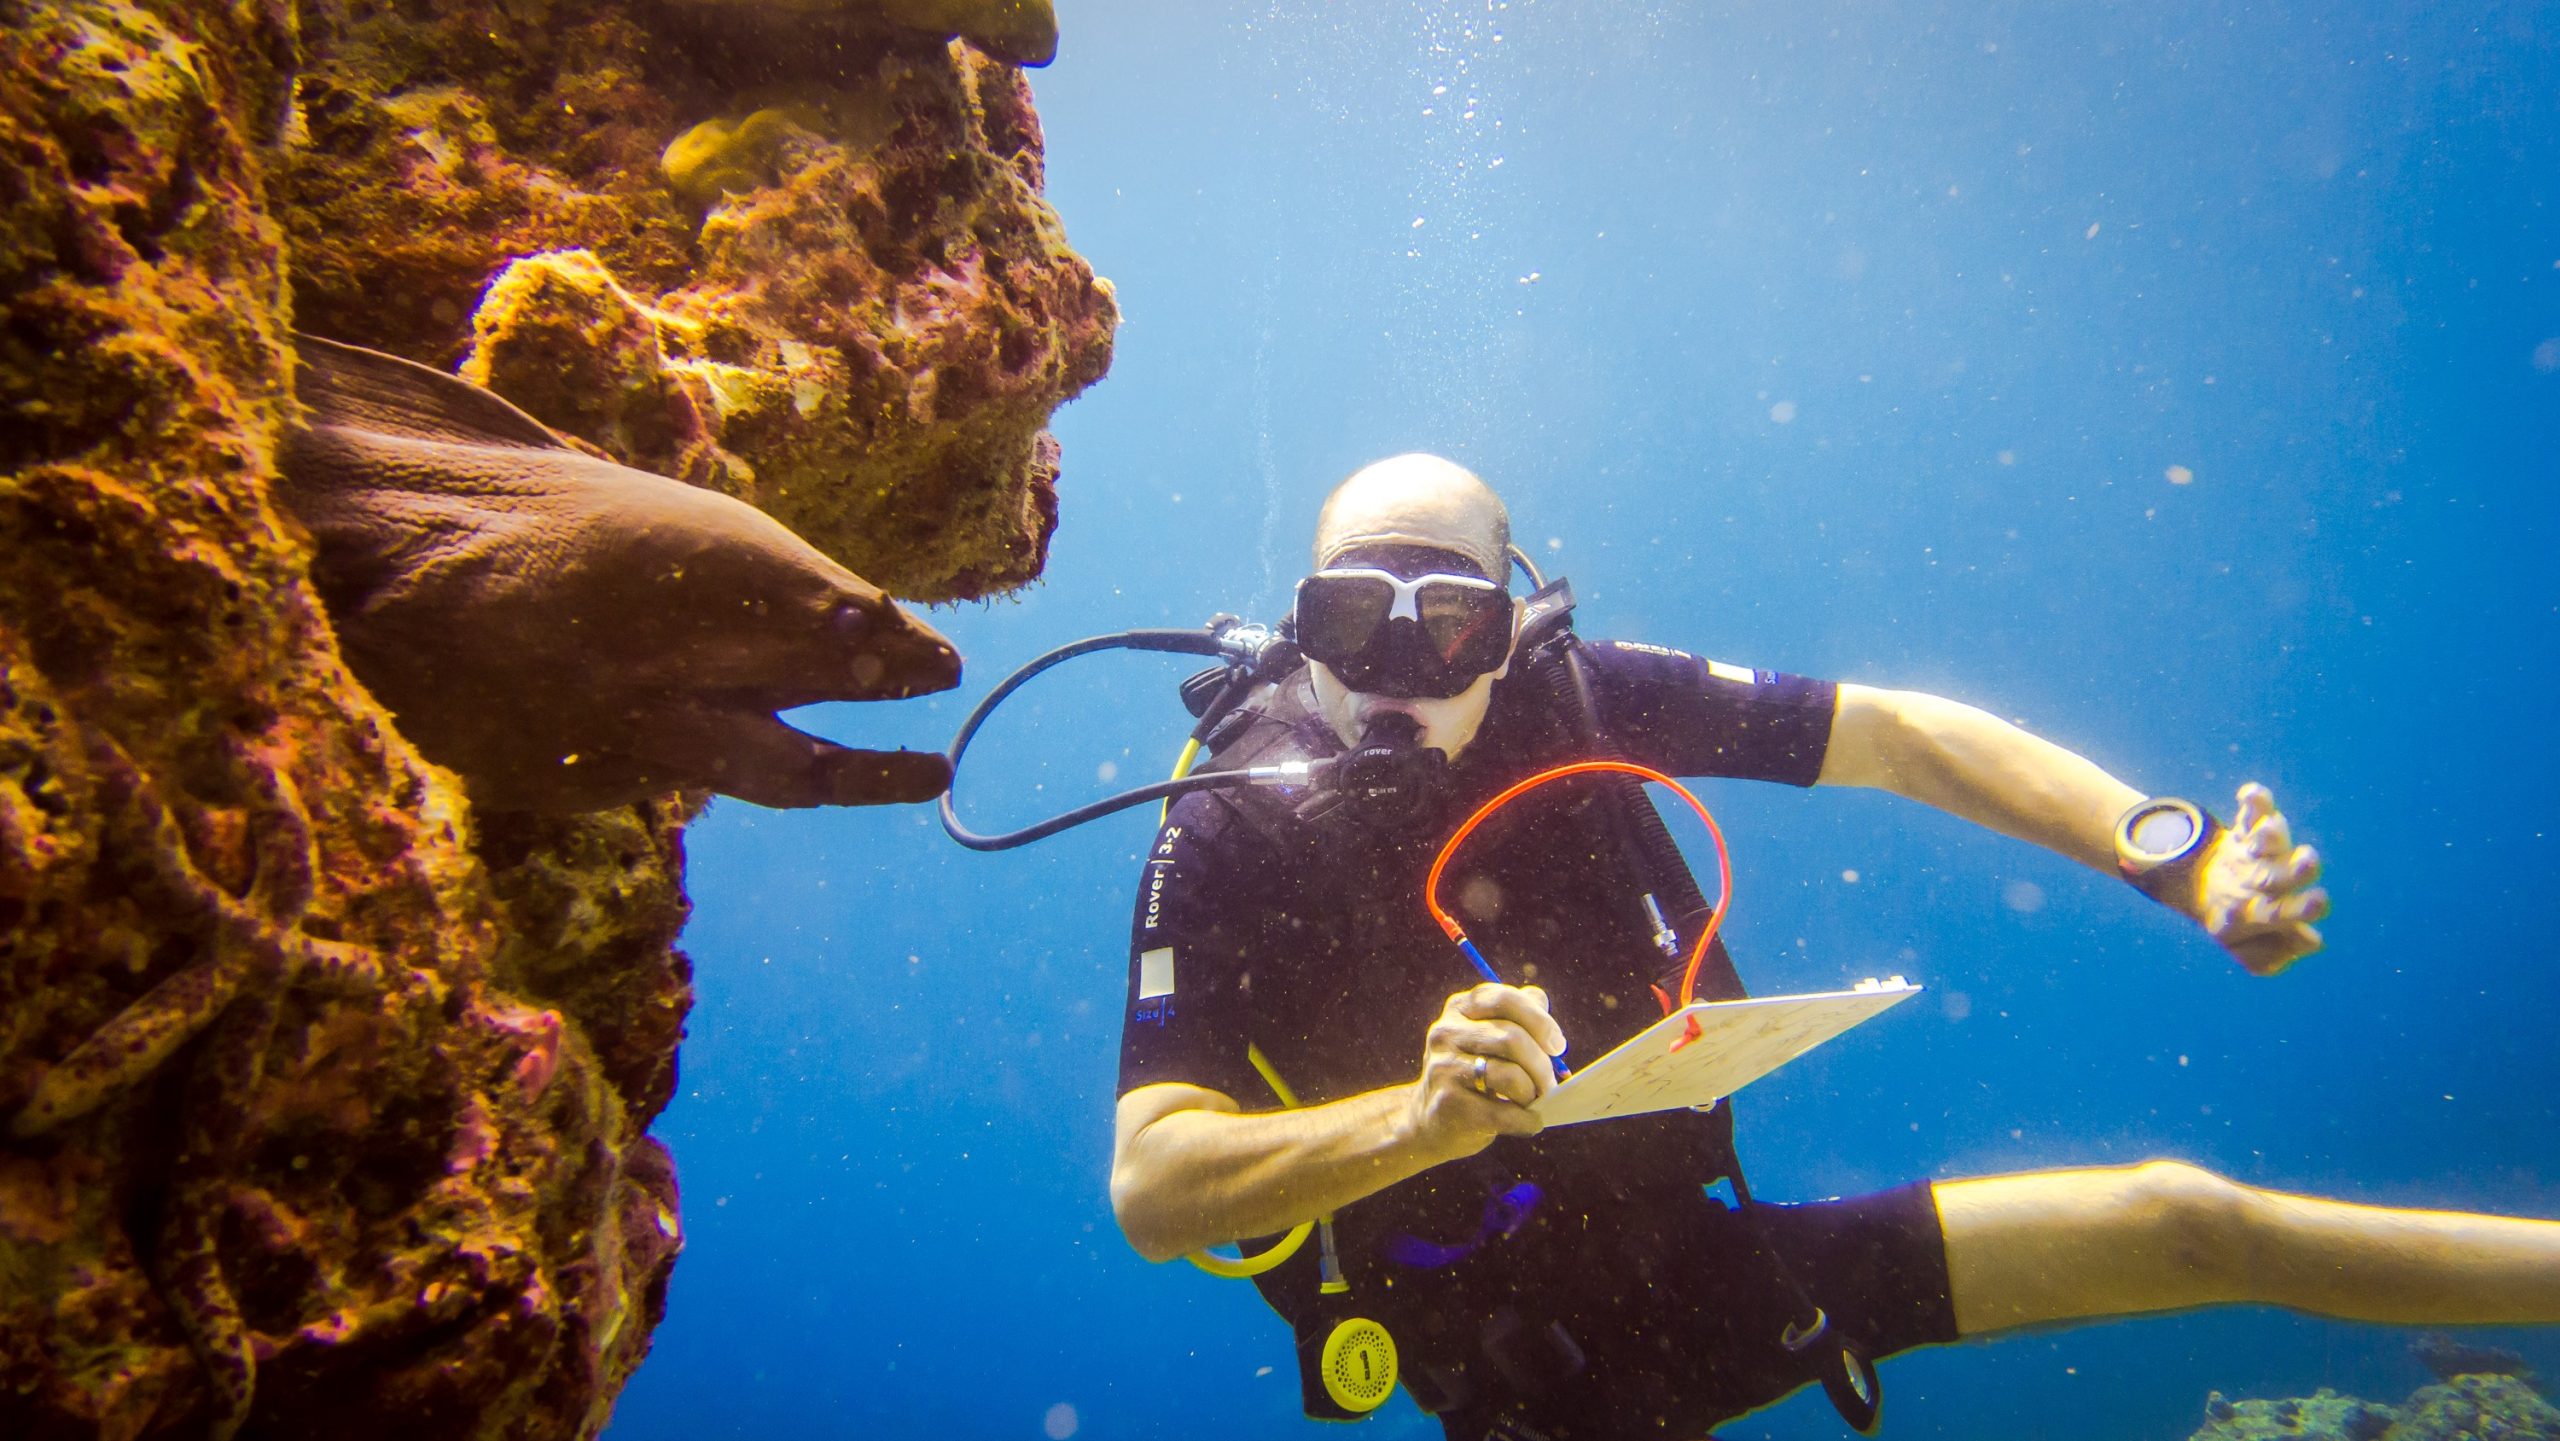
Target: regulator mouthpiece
<point x="1391" y="775"/>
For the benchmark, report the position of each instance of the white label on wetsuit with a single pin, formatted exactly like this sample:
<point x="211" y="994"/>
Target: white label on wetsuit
<point x="1155" y="973"/>
<point x="1739" y="675"/>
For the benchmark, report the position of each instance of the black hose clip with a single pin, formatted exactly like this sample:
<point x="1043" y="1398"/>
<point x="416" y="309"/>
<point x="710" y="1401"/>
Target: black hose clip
<point x="1848" y="1379"/>
<point x="1247" y="651"/>
<point x="1850" y="1383"/>
<point x="1254" y="645"/>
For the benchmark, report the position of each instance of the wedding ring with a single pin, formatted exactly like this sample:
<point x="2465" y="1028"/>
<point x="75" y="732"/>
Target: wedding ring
<point x="1480" y="1087"/>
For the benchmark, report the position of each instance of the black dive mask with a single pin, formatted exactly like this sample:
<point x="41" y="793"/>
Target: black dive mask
<point x="1428" y="637"/>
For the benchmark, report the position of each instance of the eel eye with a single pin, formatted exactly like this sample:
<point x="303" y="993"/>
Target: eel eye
<point x="851" y="621"/>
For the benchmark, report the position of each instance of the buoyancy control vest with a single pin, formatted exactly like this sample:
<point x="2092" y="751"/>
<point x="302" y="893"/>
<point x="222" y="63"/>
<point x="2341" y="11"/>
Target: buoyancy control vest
<point x="1462" y="1333"/>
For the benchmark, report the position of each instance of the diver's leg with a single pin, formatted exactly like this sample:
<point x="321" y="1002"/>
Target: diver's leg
<point x="2052" y="1246"/>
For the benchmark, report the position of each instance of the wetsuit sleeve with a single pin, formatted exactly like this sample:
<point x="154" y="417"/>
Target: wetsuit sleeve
<point x="1691" y="716"/>
<point x="1203" y="918"/>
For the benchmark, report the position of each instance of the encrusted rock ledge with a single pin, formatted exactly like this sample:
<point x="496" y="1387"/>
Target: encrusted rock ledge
<point x="323" y="1100"/>
<point x="759" y="248"/>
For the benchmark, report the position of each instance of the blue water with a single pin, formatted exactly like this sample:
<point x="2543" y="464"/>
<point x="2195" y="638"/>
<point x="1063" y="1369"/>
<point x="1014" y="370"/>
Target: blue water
<point x="1857" y="341"/>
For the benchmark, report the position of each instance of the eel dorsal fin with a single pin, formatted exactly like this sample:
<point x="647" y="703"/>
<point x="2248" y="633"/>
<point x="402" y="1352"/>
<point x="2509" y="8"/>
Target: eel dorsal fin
<point x="348" y="385"/>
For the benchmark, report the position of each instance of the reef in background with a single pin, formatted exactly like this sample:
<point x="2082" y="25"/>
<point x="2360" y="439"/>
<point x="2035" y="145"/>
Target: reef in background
<point x="2497" y="1405"/>
<point x="322" y="1099"/>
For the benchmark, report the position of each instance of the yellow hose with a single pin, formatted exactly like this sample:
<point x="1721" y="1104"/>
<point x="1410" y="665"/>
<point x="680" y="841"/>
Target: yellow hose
<point x="1245" y="1266"/>
<point x="1242" y="1267"/>
<point x="1181" y="767"/>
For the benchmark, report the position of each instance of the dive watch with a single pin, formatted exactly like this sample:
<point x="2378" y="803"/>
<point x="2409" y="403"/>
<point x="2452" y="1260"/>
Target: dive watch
<point x="2161" y="846"/>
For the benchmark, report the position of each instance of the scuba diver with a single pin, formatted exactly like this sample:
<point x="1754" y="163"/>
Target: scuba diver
<point x="1617" y="1278"/>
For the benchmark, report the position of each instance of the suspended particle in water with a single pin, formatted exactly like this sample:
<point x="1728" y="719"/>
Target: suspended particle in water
<point x="1060" y="1423"/>
<point x="2091" y="233"/>
<point x="2024" y="897"/>
<point x="1784" y="412"/>
<point x="2180" y="475"/>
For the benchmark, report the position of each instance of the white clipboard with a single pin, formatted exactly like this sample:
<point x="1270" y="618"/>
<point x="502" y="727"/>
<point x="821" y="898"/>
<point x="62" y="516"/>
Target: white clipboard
<point x="1738" y="1042"/>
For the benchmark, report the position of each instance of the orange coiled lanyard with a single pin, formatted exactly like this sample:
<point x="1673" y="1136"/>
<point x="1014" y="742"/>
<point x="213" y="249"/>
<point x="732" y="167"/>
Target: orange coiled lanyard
<point x="1724" y="865"/>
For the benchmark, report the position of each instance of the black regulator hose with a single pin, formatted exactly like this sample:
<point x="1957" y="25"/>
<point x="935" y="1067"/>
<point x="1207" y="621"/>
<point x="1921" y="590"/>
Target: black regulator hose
<point x="1215" y="643"/>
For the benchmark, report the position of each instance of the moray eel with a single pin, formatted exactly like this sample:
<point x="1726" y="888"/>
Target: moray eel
<point x="569" y="634"/>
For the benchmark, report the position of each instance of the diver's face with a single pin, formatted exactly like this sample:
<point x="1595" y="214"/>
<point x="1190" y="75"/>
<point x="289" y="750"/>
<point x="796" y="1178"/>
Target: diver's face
<point x="1447" y="724"/>
<point x="1409" y="630"/>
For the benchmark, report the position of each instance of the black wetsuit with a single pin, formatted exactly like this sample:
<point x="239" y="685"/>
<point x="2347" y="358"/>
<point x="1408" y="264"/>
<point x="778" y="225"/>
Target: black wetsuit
<point x="1627" y="1300"/>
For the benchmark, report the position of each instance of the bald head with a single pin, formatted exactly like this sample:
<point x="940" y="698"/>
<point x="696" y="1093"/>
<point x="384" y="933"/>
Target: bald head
<point x="1417" y="500"/>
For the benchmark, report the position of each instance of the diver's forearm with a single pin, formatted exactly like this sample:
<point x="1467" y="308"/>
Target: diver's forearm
<point x="1197" y="1177"/>
<point x="1969" y="763"/>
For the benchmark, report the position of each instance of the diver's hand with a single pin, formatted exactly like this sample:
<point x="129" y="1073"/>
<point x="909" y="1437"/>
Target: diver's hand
<point x="2261" y="892"/>
<point x="1506" y="1030"/>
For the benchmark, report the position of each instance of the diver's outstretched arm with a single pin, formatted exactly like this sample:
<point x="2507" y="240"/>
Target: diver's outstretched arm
<point x="2053" y="1246"/>
<point x="2258" y="894"/>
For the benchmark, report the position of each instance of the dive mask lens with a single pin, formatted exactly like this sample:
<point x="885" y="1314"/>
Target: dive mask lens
<point x="1469" y="627"/>
<point x="1339" y="613"/>
<point x="1460" y="629"/>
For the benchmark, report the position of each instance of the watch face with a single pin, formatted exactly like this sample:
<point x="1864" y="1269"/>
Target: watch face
<point x="2162" y="831"/>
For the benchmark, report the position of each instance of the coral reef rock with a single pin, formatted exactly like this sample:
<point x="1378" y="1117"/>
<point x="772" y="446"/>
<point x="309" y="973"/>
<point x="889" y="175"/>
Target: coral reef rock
<point x="323" y="1097"/>
<point x="2478" y="1408"/>
<point x="2495" y="1407"/>
<point x="776" y="250"/>
<point x="2446" y="1357"/>
<point x="2322" y="1416"/>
